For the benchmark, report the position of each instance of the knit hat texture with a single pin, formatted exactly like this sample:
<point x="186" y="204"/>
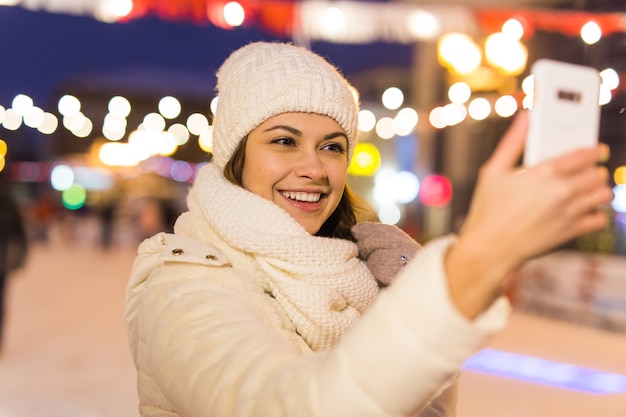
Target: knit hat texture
<point x="265" y="79"/>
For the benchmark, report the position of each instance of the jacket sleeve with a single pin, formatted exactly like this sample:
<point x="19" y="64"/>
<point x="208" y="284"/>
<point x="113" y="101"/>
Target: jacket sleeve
<point x="420" y="343"/>
<point x="444" y="404"/>
<point x="205" y="339"/>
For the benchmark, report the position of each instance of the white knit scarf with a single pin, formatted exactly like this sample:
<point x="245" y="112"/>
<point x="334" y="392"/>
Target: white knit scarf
<point x="321" y="284"/>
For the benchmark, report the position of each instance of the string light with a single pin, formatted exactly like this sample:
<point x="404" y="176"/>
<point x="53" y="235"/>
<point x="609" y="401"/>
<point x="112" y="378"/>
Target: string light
<point x="392" y="98"/>
<point x="367" y="120"/>
<point x="513" y="28"/>
<point x="234" y="14"/>
<point x="591" y="33"/>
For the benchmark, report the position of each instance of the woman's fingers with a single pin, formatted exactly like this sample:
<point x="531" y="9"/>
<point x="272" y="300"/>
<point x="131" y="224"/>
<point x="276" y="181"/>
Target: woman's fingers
<point x="589" y="180"/>
<point x="592" y="200"/>
<point x="600" y="197"/>
<point x="578" y="185"/>
<point x="577" y="160"/>
<point x="509" y="150"/>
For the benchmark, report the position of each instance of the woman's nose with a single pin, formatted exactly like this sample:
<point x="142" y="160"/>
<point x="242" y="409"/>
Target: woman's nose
<point x="310" y="165"/>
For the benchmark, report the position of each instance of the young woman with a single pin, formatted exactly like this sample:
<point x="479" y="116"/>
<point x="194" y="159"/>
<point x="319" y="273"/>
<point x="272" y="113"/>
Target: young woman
<point x="259" y="303"/>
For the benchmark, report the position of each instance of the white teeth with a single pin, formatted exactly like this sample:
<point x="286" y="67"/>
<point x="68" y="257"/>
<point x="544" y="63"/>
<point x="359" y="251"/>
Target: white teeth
<point x="299" y="196"/>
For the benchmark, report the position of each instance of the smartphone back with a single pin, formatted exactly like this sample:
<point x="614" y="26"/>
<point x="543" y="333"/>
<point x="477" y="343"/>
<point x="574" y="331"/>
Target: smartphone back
<point x="565" y="114"/>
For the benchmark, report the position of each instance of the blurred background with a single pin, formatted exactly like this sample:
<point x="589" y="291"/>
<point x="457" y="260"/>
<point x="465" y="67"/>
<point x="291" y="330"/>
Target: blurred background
<point x="105" y="117"/>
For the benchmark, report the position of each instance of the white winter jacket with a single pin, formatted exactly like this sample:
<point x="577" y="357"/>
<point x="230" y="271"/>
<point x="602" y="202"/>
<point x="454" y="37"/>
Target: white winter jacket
<point x="209" y="339"/>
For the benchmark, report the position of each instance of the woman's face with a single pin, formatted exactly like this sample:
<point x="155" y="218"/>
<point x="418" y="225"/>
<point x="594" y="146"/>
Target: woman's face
<point x="299" y="161"/>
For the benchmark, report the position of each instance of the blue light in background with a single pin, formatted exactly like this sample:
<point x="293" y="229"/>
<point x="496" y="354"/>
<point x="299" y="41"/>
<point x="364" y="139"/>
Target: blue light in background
<point x="542" y="371"/>
<point x="619" y="199"/>
<point x="406" y="152"/>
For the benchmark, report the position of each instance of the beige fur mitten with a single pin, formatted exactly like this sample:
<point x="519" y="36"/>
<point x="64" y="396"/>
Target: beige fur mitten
<point x="384" y="248"/>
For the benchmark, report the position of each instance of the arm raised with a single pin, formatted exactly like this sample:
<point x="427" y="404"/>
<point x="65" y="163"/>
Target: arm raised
<point x="518" y="214"/>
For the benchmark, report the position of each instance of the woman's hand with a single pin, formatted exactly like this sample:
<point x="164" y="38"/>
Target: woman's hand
<point x="384" y="248"/>
<point x="518" y="214"/>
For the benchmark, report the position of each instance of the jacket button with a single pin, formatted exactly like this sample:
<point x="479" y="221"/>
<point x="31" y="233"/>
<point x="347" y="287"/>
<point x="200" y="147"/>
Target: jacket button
<point x="177" y="251"/>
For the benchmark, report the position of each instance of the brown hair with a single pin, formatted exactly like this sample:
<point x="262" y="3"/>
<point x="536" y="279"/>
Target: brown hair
<point x="352" y="208"/>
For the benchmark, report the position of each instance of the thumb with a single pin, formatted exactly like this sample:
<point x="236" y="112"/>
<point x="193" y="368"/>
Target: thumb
<point x="511" y="146"/>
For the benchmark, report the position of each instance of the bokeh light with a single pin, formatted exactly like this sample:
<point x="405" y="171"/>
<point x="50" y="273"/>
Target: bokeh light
<point x="385" y="128"/>
<point x="459" y="92"/>
<point x="405" y="121"/>
<point x="22" y="104"/>
<point x="591" y="32"/>
<point x="169" y="107"/>
<point x="506" y="106"/>
<point x="74" y="197"/>
<point x="506" y="53"/>
<point x="234" y="14"/>
<point x="332" y="22"/>
<point x="436" y="190"/>
<point x="119" y="106"/>
<point x="619" y="175"/>
<point x="389" y="214"/>
<point x="619" y="198"/>
<point x="181" y="171"/>
<point x="213" y="104"/>
<point x="479" y="108"/>
<point x="453" y="114"/>
<point x="167" y="144"/>
<point x="407" y="187"/>
<point x="459" y="53"/>
<point x="69" y="105"/>
<point x="180" y="132"/>
<point x="423" y="25"/>
<point x="610" y="78"/>
<point x="112" y="10"/>
<point x="117" y="154"/>
<point x="392" y="98"/>
<point x="196" y="123"/>
<point x="392" y="187"/>
<point x="365" y="161"/>
<point x="513" y="28"/>
<point x="61" y="177"/>
<point x="367" y="120"/>
<point x="85" y="129"/>
<point x="34" y="117"/>
<point x="205" y="139"/>
<point x="528" y="85"/>
<point x="154" y="122"/>
<point x="114" y="126"/>
<point x="12" y="120"/>
<point x="435" y="118"/>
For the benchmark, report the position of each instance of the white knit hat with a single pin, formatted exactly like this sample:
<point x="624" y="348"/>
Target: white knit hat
<point x="264" y="79"/>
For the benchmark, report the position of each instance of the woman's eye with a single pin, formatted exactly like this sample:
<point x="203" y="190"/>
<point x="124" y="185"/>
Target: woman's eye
<point x="284" y="141"/>
<point x="335" y="147"/>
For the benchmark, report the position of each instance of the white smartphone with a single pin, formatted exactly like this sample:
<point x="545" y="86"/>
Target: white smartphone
<point x="565" y="113"/>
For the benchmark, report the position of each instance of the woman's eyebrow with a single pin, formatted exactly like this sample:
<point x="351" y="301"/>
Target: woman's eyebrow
<point x="297" y="132"/>
<point x="290" y="129"/>
<point x="336" y="135"/>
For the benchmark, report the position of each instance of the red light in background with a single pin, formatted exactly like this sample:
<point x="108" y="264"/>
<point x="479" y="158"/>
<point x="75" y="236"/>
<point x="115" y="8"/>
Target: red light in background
<point x="436" y="190"/>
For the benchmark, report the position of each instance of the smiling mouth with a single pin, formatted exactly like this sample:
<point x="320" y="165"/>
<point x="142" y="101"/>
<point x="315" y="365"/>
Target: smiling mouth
<point x="302" y="197"/>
